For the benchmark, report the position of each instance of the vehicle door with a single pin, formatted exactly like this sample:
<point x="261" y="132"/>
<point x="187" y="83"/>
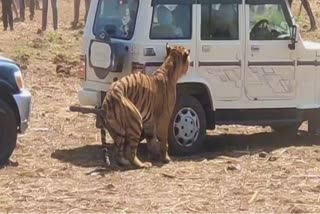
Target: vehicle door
<point x="220" y="44"/>
<point x="173" y="22"/>
<point x="109" y="31"/>
<point x="271" y="64"/>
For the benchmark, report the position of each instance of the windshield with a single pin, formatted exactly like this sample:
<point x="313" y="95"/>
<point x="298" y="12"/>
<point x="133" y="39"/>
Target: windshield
<point x="116" y="17"/>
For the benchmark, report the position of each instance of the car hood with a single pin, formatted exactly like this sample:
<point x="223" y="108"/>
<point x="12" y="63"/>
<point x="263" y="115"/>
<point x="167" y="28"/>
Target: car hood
<point x="4" y="59"/>
<point x="7" y="64"/>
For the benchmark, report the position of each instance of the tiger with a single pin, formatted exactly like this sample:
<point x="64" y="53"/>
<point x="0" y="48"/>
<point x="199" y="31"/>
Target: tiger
<point x="140" y="106"/>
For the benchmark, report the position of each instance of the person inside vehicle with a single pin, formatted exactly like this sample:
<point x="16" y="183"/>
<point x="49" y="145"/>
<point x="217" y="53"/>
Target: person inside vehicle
<point x="181" y="16"/>
<point x="225" y="25"/>
<point x="165" y="27"/>
<point x="131" y="18"/>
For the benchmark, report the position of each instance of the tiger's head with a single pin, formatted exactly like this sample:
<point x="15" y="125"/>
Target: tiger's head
<point x="180" y="58"/>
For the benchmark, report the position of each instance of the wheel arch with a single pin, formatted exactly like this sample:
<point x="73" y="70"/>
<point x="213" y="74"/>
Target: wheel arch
<point x="201" y="90"/>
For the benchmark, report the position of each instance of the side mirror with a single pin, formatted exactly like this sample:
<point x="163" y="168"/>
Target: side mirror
<point x="293" y="37"/>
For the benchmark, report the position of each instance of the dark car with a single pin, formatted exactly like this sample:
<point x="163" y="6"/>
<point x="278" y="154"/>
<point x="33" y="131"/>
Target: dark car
<point x="15" y="107"/>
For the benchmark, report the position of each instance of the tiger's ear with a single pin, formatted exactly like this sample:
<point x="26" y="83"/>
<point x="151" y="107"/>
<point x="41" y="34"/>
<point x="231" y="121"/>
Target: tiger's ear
<point x="186" y="54"/>
<point x="168" y="48"/>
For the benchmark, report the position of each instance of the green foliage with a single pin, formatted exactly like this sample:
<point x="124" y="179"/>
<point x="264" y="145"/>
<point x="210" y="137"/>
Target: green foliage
<point x="274" y="16"/>
<point x="22" y="54"/>
<point x="54" y="38"/>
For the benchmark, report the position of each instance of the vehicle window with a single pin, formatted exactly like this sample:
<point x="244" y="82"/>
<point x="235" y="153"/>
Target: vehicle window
<point x="219" y="22"/>
<point x="116" y="17"/>
<point x="171" y="21"/>
<point x="268" y="22"/>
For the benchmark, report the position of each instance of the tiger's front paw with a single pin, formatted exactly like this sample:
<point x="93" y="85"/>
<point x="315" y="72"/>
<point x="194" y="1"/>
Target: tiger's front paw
<point x="166" y="158"/>
<point x="146" y="165"/>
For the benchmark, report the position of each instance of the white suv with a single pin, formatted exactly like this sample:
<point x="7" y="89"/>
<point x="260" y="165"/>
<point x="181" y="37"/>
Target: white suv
<point x="249" y="64"/>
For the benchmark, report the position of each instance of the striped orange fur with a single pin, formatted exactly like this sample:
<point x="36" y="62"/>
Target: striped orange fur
<point x="139" y="103"/>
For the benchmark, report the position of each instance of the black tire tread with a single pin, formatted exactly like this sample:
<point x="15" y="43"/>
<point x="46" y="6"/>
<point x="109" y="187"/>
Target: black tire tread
<point x="8" y="124"/>
<point x="192" y="102"/>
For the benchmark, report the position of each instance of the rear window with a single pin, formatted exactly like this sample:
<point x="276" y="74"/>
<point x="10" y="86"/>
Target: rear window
<point x="116" y="17"/>
<point x="171" y="21"/>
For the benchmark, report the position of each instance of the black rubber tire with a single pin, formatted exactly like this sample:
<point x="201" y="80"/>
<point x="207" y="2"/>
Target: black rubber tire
<point x="8" y="132"/>
<point x="174" y="147"/>
<point x="288" y="129"/>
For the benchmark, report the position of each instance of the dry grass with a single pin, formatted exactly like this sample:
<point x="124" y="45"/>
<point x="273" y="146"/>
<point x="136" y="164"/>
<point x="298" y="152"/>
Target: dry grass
<point x="241" y="169"/>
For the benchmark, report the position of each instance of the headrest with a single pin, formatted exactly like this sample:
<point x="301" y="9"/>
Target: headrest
<point x="164" y="16"/>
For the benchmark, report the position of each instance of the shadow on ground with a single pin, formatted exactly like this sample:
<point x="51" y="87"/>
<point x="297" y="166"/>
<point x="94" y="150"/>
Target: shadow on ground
<point x="89" y="155"/>
<point x="231" y="145"/>
<point x="237" y="145"/>
<point x="85" y="156"/>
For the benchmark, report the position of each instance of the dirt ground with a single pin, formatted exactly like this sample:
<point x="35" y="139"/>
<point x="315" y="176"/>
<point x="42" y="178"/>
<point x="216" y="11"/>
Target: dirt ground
<point x="241" y="169"/>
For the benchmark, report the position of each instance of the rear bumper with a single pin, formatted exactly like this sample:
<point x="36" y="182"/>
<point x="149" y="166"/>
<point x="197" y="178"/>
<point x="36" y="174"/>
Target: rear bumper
<point x="23" y="100"/>
<point x="89" y="97"/>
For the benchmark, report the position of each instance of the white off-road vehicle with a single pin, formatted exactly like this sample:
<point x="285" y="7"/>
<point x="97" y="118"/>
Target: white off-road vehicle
<point x="249" y="64"/>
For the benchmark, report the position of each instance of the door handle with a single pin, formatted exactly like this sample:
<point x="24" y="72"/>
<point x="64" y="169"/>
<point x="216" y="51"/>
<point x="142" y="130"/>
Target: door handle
<point x="255" y="48"/>
<point x="206" y="48"/>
